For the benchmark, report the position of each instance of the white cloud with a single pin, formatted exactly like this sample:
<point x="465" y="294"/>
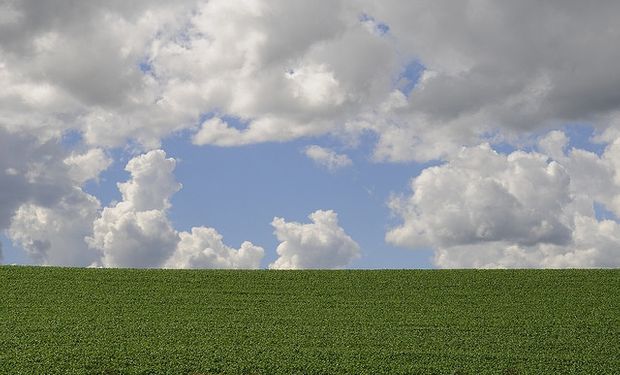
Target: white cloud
<point x="144" y="70"/>
<point x="42" y="205"/>
<point x="134" y="239"/>
<point x="216" y="131"/>
<point x="54" y="235"/>
<point x="494" y="73"/>
<point x="327" y="158"/>
<point x="31" y="172"/>
<point x="482" y="196"/>
<point x="136" y="232"/>
<point x="316" y="86"/>
<point x="135" y="72"/>
<point x="152" y="182"/>
<point x="87" y="166"/>
<point x="321" y="244"/>
<point x="595" y="244"/>
<point x="484" y="209"/>
<point x="203" y="248"/>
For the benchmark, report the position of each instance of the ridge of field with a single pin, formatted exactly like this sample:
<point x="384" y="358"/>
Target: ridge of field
<point x="115" y="321"/>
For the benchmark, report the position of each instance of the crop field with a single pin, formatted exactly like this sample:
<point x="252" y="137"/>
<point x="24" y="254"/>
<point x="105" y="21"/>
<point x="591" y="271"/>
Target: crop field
<point x="105" y="321"/>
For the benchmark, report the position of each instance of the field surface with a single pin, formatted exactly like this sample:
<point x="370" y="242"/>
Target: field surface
<point x="83" y="321"/>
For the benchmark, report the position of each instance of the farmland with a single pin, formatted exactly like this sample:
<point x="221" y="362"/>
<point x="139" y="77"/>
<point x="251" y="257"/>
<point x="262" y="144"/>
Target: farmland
<point x="106" y="321"/>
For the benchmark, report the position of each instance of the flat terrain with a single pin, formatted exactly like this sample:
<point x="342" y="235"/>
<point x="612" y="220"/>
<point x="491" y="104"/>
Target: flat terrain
<point x="99" y="321"/>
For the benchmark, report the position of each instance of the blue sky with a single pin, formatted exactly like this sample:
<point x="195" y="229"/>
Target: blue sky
<point x="239" y="190"/>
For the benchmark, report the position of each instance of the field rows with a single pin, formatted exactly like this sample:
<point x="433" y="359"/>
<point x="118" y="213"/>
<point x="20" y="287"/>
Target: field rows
<point x="79" y="321"/>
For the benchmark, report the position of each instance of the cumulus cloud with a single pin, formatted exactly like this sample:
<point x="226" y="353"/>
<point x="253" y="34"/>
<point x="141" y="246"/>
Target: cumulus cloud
<point x="31" y="171"/>
<point x="42" y="206"/>
<point x="327" y="158"/>
<point x="115" y="72"/>
<point x="214" y="131"/>
<point x="321" y="244"/>
<point x="54" y="234"/>
<point x="136" y="231"/>
<point x="87" y="166"/>
<point x="487" y="70"/>
<point x="524" y="209"/>
<point x="45" y="211"/>
<point x="119" y="73"/>
<point x="144" y="70"/>
<point x="133" y="238"/>
<point x="203" y="248"/>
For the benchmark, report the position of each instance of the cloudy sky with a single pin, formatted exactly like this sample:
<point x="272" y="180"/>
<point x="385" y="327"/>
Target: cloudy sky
<point x="310" y="134"/>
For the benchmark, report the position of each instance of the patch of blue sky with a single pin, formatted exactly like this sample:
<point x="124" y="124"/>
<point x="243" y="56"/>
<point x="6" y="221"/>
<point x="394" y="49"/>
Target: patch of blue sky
<point x="498" y="143"/>
<point x="71" y="139"/>
<point x="602" y="213"/>
<point x="146" y="67"/>
<point x="380" y="27"/>
<point x="105" y="188"/>
<point x="232" y="121"/>
<point x="12" y="254"/>
<point x="409" y="77"/>
<point x="239" y="190"/>
<point x="580" y="136"/>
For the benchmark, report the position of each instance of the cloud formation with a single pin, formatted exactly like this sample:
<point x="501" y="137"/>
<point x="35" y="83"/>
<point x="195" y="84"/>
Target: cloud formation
<point x="30" y="171"/>
<point x="419" y="80"/>
<point x="321" y="244"/>
<point x="42" y="206"/>
<point x="54" y="234"/>
<point x="203" y="248"/>
<point x="524" y="209"/>
<point x="137" y="233"/>
<point x="489" y="68"/>
<point x="87" y="166"/>
<point x="115" y="72"/>
<point x="327" y="158"/>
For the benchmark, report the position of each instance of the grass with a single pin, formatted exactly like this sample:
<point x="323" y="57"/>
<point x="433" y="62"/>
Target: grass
<point x="104" y="321"/>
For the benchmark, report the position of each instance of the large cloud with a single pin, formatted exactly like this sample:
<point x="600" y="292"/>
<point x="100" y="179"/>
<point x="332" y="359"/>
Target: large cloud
<point x="136" y="231"/>
<point x="54" y="235"/>
<point x="321" y="244"/>
<point x="288" y="69"/>
<point x="120" y="73"/>
<point x="505" y="66"/>
<point x="30" y="171"/>
<point x="41" y="201"/>
<point x="141" y="71"/>
<point x="203" y="248"/>
<point x="485" y="209"/>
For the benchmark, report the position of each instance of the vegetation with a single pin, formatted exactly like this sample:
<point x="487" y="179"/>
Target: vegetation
<point x="106" y="321"/>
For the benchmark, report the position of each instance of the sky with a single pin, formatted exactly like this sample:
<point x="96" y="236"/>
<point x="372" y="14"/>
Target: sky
<point x="304" y="135"/>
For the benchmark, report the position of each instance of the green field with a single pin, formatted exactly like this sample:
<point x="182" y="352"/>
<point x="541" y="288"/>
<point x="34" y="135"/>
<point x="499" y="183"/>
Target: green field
<point x="104" y="321"/>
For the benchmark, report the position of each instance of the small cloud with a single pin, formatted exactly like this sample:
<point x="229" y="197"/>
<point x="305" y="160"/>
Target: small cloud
<point x="320" y="244"/>
<point x="87" y="166"/>
<point x="327" y="158"/>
